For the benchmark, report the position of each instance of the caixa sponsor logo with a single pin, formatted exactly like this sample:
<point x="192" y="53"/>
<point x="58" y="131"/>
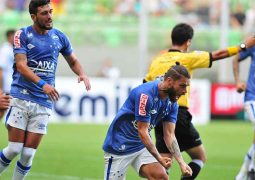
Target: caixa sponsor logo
<point x="44" y="66"/>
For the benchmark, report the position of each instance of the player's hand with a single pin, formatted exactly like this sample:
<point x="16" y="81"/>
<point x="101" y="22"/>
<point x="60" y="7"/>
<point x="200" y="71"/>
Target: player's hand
<point x="51" y="92"/>
<point x="166" y="162"/>
<point x="240" y="87"/>
<point x="186" y="170"/>
<point x="4" y="101"/>
<point x="85" y="79"/>
<point x="250" y="41"/>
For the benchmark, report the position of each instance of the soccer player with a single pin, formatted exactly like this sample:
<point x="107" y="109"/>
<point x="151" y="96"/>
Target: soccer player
<point x="128" y="140"/>
<point x="186" y="134"/>
<point x="6" y="63"/>
<point x="36" y="51"/>
<point x="248" y="167"/>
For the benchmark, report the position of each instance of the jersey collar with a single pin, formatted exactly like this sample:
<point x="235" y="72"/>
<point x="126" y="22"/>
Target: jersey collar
<point x="173" y="50"/>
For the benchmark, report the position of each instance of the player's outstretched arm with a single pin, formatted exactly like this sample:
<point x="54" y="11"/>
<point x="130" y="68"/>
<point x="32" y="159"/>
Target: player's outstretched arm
<point x="240" y="86"/>
<point x="24" y="70"/>
<point x="230" y="51"/>
<point x="143" y="133"/>
<point x="77" y="69"/>
<point x="173" y="147"/>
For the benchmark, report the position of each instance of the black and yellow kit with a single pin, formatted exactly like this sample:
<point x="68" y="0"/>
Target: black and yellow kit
<point x="186" y="134"/>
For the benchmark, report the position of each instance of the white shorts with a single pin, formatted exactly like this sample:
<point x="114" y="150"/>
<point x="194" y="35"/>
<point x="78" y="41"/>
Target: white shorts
<point x="28" y="116"/>
<point x="116" y="165"/>
<point x="249" y="107"/>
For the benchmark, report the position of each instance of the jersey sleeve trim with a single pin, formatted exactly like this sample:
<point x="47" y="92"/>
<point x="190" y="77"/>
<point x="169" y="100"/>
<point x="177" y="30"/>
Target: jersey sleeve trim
<point x="20" y="51"/>
<point x="67" y="53"/>
<point x="142" y="119"/>
<point x="210" y="59"/>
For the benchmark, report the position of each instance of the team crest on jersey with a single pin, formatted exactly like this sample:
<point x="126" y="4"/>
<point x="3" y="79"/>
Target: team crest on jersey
<point x="29" y="35"/>
<point x="17" y="39"/>
<point x="30" y="46"/>
<point x="142" y="104"/>
<point x="55" y="37"/>
<point x="153" y="111"/>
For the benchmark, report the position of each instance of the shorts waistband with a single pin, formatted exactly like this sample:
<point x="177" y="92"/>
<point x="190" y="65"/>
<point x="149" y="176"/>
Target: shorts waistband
<point x="183" y="107"/>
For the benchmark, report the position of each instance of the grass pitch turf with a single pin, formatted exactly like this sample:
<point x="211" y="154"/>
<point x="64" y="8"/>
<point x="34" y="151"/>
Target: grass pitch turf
<point x="73" y="152"/>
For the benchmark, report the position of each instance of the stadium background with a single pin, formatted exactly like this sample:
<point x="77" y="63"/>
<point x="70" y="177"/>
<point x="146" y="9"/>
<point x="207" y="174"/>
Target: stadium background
<point x="95" y="26"/>
<point x="112" y="30"/>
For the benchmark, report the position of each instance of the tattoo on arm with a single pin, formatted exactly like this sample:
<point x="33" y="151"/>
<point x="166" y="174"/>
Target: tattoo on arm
<point x="174" y="149"/>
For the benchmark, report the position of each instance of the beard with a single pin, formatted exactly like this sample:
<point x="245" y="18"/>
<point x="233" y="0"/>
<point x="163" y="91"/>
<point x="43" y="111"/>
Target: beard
<point x="171" y="94"/>
<point x="41" y="26"/>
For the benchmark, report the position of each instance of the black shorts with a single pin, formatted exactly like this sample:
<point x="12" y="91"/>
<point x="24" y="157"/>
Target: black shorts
<point x="186" y="134"/>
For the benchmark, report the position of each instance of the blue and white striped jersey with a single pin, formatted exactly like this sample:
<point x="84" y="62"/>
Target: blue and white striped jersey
<point x="42" y="53"/>
<point x="143" y="104"/>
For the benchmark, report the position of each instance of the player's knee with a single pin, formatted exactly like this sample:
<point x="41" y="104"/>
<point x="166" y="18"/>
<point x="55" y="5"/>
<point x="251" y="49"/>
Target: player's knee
<point x="200" y="157"/>
<point x="27" y="156"/>
<point x="12" y="150"/>
<point x="162" y="175"/>
<point x="203" y="158"/>
<point x="198" y="154"/>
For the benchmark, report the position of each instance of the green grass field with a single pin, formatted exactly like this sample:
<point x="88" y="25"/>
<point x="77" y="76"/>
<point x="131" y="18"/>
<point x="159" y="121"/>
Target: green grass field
<point x="73" y="152"/>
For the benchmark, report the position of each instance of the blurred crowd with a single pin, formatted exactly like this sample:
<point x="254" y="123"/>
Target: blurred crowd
<point x="196" y="12"/>
<point x="206" y="12"/>
<point x="21" y="5"/>
<point x="18" y="5"/>
<point x="242" y="12"/>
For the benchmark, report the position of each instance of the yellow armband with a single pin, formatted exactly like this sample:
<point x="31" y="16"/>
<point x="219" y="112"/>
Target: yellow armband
<point x="233" y="50"/>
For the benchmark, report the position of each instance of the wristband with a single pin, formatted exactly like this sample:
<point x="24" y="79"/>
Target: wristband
<point x="41" y="83"/>
<point x="232" y="50"/>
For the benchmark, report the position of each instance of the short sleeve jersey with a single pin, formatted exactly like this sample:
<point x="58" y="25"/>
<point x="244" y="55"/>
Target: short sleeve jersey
<point x="193" y="60"/>
<point x="250" y="85"/>
<point x="143" y="104"/>
<point x="42" y="53"/>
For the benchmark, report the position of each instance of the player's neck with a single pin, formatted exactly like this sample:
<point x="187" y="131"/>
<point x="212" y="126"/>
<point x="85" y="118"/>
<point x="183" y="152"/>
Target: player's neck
<point x="39" y="30"/>
<point x="179" y="48"/>
<point x="162" y="93"/>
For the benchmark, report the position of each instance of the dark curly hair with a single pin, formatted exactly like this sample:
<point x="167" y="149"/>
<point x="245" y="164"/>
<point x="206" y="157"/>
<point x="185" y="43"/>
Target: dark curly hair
<point x="181" y="33"/>
<point x="34" y="4"/>
<point x="177" y="71"/>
